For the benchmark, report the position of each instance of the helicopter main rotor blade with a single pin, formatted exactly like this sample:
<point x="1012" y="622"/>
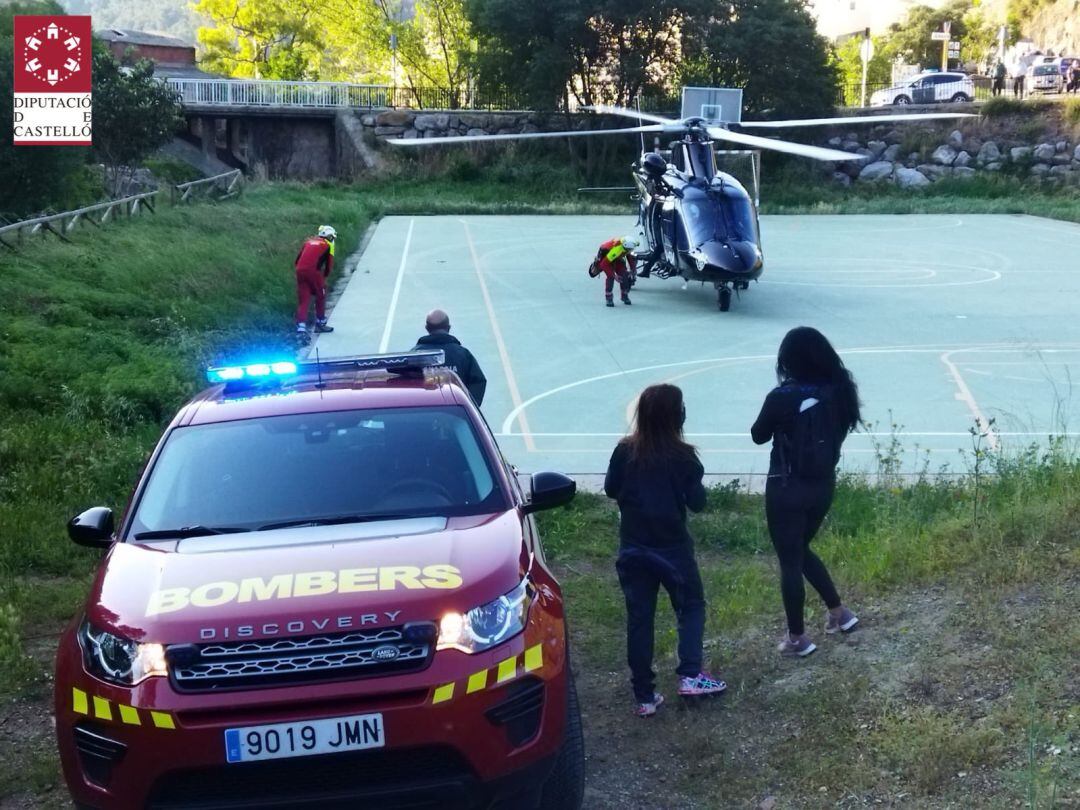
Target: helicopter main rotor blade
<point x="518" y="136"/>
<point x="628" y="113"/>
<point x="788" y="147"/>
<point x="852" y="119"/>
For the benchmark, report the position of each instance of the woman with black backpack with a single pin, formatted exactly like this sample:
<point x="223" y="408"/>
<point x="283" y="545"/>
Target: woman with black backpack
<point x="807" y="416"/>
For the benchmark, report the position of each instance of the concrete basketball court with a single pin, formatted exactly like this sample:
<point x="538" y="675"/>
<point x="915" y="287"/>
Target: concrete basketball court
<point x="943" y="320"/>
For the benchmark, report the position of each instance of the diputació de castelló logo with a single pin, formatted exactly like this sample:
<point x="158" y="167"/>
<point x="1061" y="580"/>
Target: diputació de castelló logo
<point x="52" y="80"/>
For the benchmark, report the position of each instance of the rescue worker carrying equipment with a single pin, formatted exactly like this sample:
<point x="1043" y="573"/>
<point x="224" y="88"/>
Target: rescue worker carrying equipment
<point x="314" y="263"/>
<point x="616" y="261"/>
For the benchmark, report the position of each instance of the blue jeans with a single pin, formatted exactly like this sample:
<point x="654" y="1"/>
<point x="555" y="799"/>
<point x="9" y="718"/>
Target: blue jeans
<point x="641" y="573"/>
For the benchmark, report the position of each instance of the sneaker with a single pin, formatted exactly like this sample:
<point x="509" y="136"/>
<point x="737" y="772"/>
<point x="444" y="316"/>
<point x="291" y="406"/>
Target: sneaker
<point x="844" y="623"/>
<point x="796" y="646"/>
<point x="301" y="329"/>
<point x="626" y="299"/>
<point x="649" y="709"/>
<point x="703" y="684"/>
<point x="609" y="302"/>
<point x="322" y="327"/>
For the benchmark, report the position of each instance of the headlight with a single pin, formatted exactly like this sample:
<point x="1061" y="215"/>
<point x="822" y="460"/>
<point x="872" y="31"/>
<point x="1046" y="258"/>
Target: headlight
<point x="488" y="625"/>
<point x="119" y="660"/>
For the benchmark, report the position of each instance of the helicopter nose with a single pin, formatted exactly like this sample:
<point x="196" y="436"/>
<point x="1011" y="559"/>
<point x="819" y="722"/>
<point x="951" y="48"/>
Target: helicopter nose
<point x="748" y="253"/>
<point x="736" y="257"/>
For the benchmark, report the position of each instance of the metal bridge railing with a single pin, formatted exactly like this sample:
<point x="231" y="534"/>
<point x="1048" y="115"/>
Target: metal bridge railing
<point x="265" y="93"/>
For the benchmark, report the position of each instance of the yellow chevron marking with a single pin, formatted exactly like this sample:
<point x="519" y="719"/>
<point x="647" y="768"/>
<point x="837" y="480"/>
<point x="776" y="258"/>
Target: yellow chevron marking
<point x="443" y="693"/>
<point x="534" y="658"/>
<point x="477" y="682"/>
<point x="102" y="708"/>
<point x="507" y="669"/>
<point x="129" y="715"/>
<point x="79" y="702"/>
<point x="162" y="720"/>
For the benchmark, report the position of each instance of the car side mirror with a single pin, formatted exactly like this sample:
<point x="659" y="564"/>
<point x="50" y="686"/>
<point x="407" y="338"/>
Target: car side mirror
<point x="93" y="528"/>
<point x="550" y="489"/>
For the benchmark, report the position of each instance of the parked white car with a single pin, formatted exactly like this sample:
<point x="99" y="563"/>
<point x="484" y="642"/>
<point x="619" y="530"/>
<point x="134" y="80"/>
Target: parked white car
<point x="1045" y="77"/>
<point x="927" y="88"/>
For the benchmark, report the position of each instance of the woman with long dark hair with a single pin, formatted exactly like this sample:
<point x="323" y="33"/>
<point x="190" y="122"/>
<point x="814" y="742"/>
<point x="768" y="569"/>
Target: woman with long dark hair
<point x="656" y="476"/>
<point x="807" y="416"/>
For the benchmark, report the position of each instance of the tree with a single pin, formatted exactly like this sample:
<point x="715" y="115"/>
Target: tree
<point x="134" y="114"/>
<point x="269" y="39"/>
<point x="769" y="48"/>
<point x="32" y="178"/>
<point x="909" y="40"/>
<point x="596" y="52"/>
<point x="431" y="48"/>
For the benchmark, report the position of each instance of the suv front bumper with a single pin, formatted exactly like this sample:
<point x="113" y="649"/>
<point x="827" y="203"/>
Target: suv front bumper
<point x="465" y="732"/>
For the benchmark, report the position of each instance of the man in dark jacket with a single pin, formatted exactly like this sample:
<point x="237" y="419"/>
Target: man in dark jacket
<point x="458" y="359"/>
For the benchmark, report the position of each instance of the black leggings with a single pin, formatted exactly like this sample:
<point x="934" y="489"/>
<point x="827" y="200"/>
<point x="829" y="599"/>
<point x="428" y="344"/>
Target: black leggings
<point x="794" y="511"/>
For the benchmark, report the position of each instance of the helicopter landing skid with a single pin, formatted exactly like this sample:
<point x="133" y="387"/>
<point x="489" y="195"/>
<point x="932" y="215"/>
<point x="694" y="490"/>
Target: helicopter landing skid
<point x="723" y="296"/>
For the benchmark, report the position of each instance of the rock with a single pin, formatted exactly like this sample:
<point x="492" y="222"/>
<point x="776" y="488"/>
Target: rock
<point x="891" y="153"/>
<point x="367" y="120"/>
<point x="894" y="137"/>
<point x="963" y="159"/>
<point x="877" y="148"/>
<point x="841" y="178"/>
<point x="914" y="157"/>
<point x="964" y="173"/>
<point x="835" y="142"/>
<point x="867" y="157"/>
<point x="530" y="127"/>
<point x="1062" y="146"/>
<point x="475" y="120"/>
<point x="911" y="178"/>
<point x="993" y="167"/>
<point x="874" y="172"/>
<point x="1040" y="170"/>
<point x="944" y="155"/>
<point x="1076" y="153"/>
<point x="1062" y="159"/>
<point x="850" y="146"/>
<point x="454" y="122"/>
<point x="432" y="133"/>
<point x="475" y="131"/>
<point x="956" y="139"/>
<point x="989" y="153"/>
<point x="1020" y="153"/>
<point x="1061" y="171"/>
<point x="933" y="172"/>
<point x="411" y="134"/>
<point x="768" y="803"/>
<point x="385" y="131"/>
<point x="422" y="123"/>
<point x="394" y="118"/>
<point x="1045" y="152"/>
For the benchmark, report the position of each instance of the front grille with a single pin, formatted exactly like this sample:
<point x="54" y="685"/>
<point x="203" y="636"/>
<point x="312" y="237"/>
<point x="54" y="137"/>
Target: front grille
<point x="300" y="660"/>
<point x="417" y="777"/>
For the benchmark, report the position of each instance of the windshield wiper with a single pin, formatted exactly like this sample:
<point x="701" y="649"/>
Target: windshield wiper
<point x="337" y="519"/>
<point x="188" y="531"/>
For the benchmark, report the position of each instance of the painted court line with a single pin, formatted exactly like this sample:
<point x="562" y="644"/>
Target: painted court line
<point x="397" y="290"/>
<point x="504" y="355"/>
<point x="964" y="395"/>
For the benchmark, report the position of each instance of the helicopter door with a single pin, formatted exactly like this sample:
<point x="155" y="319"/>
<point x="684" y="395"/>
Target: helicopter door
<point x="668" y="222"/>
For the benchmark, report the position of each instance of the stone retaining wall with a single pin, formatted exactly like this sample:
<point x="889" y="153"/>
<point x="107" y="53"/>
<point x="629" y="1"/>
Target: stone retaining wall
<point x="435" y="124"/>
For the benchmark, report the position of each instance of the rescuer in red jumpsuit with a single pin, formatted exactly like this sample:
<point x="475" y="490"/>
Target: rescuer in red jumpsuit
<point x="314" y="263"/>
<point x="617" y="261"/>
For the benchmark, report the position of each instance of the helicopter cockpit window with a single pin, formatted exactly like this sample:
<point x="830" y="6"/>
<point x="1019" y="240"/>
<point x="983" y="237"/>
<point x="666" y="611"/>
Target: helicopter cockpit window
<point x="722" y="216"/>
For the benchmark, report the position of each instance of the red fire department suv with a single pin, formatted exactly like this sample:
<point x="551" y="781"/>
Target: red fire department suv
<point x="327" y="590"/>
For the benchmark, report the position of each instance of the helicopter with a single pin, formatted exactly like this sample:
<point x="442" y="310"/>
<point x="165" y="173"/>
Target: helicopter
<point x="699" y="223"/>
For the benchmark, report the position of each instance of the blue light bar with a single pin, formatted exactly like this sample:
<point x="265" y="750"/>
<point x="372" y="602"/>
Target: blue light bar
<point x="255" y="373"/>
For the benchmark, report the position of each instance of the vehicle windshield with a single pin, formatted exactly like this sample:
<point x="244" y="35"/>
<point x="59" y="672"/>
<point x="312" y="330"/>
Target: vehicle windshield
<point x="722" y="215"/>
<point x="1046" y="70"/>
<point x="257" y="473"/>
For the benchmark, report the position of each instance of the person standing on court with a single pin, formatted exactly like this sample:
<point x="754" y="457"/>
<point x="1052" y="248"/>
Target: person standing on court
<point x="655" y="477"/>
<point x="314" y="263"/>
<point x="458" y="359"/>
<point x="807" y="417"/>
